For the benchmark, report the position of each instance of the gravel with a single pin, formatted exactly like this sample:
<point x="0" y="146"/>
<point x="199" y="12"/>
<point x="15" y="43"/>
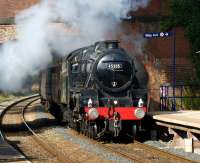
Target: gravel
<point x="91" y="147"/>
<point x="181" y="152"/>
<point x="84" y="144"/>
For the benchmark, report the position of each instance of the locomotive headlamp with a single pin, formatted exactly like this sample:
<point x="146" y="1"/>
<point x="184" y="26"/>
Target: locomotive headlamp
<point x="90" y="103"/>
<point x="93" y="114"/>
<point x="140" y="103"/>
<point x="139" y="113"/>
<point x="115" y="102"/>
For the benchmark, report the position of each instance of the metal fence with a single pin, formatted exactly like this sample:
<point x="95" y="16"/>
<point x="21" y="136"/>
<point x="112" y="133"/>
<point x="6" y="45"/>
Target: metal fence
<point x="182" y="97"/>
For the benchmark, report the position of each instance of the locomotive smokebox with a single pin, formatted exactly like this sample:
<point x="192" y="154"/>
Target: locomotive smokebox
<point x="114" y="71"/>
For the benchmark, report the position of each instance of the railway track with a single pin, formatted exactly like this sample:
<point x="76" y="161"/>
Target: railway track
<point x="30" y="144"/>
<point x="139" y="152"/>
<point x="34" y="147"/>
<point x="33" y="143"/>
<point x="166" y="154"/>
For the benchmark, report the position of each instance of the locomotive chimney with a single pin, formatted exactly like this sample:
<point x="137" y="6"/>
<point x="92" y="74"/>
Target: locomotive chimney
<point x="109" y="44"/>
<point x="112" y="44"/>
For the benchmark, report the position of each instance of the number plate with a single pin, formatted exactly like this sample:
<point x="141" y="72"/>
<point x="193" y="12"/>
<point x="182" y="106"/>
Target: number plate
<point x="115" y="66"/>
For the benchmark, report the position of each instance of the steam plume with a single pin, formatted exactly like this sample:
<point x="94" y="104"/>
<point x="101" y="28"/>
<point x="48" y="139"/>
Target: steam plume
<point x="85" y="21"/>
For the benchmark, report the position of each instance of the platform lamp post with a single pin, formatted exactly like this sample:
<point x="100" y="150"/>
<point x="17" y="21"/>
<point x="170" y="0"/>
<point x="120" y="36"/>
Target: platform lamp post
<point x="174" y="69"/>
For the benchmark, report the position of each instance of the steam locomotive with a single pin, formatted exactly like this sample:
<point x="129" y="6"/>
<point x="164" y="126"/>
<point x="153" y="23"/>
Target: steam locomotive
<point x="97" y="90"/>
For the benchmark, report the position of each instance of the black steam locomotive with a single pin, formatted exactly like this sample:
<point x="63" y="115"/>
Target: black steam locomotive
<point x="96" y="90"/>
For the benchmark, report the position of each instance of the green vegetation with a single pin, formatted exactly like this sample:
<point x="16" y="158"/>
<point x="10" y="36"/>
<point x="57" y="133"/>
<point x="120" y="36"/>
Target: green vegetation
<point x="188" y="97"/>
<point x="31" y="86"/>
<point x="7" y="21"/>
<point x="191" y="103"/>
<point x="186" y="13"/>
<point x="5" y="97"/>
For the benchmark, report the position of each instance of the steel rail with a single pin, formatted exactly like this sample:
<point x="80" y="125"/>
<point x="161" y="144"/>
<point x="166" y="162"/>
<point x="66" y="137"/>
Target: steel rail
<point x="62" y="158"/>
<point x="9" y="107"/>
<point x="124" y="154"/>
<point x="111" y="149"/>
<point x="143" y="146"/>
<point x="164" y="153"/>
<point x="150" y="148"/>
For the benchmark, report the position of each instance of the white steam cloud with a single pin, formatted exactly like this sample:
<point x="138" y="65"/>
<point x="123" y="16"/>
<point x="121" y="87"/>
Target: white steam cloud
<point x="135" y="4"/>
<point x="85" y="21"/>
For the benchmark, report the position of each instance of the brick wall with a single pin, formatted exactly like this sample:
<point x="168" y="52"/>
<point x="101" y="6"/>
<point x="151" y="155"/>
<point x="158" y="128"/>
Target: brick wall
<point x="9" y="8"/>
<point x="157" y="53"/>
<point x="163" y="47"/>
<point x="7" y="32"/>
<point x="155" y="8"/>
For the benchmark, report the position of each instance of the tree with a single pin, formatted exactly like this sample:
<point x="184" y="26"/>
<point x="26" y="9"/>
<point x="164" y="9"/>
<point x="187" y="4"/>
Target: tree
<point x="186" y="13"/>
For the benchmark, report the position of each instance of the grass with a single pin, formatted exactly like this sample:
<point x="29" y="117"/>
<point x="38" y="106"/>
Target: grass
<point x="6" y="97"/>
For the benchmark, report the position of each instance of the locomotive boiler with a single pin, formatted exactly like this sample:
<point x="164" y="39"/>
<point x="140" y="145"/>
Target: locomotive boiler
<point x="96" y="90"/>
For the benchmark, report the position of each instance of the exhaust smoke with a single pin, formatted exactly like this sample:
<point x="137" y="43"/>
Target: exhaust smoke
<point x="83" y="22"/>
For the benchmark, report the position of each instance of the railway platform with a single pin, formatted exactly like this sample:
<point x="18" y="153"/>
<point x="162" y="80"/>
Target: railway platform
<point x="183" y="125"/>
<point x="10" y="154"/>
<point x="7" y="152"/>
<point x="184" y="118"/>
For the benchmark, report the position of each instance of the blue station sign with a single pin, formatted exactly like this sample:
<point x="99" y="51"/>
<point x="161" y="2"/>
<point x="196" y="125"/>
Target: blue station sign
<point x="156" y="34"/>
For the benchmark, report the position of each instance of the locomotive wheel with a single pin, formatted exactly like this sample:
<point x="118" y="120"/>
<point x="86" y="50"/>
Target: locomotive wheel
<point x="78" y="127"/>
<point x="48" y="106"/>
<point x="92" y="131"/>
<point x="134" y="131"/>
<point x="85" y="128"/>
<point x="95" y="131"/>
<point x="81" y="127"/>
<point x="71" y="123"/>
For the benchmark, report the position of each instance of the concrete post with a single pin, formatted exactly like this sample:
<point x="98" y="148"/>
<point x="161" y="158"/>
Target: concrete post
<point x="188" y="145"/>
